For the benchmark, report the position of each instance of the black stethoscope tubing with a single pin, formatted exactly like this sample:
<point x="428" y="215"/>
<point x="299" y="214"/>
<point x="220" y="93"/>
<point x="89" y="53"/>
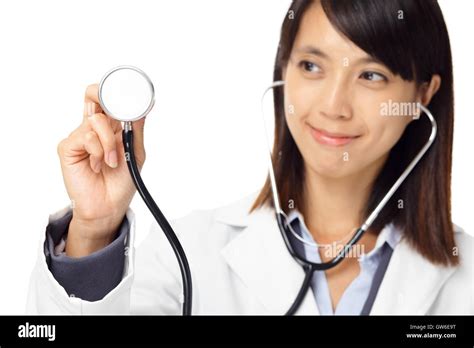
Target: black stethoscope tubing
<point x="127" y="138"/>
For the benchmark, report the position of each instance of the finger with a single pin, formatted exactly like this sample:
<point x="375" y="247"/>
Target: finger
<point x="91" y="100"/>
<point x="91" y="109"/>
<point x="92" y="106"/>
<point x="116" y="125"/>
<point x="93" y="146"/>
<point x="100" y="124"/>
<point x="73" y="145"/>
<point x="92" y="93"/>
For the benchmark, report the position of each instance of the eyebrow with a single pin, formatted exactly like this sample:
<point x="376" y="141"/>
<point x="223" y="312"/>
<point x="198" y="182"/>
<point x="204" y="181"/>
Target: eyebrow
<point x="318" y="52"/>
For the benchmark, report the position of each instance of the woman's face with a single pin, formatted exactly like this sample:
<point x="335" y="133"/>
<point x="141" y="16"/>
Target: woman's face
<point x="340" y="104"/>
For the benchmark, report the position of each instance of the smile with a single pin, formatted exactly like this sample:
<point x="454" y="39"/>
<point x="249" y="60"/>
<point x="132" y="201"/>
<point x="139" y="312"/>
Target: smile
<point x="324" y="137"/>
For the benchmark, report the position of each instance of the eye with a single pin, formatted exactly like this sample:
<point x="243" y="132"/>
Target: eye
<point x="373" y="76"/>
<point x="309" y="67"/>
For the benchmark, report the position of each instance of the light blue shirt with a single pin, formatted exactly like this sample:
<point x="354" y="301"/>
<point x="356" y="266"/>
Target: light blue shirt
<point x="355" y="295"/>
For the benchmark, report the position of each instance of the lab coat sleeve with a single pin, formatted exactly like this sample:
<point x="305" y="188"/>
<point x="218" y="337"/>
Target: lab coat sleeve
<point x="155" y="287"/>
<point x="90" y="277"/>
<point x="47" y="296"/>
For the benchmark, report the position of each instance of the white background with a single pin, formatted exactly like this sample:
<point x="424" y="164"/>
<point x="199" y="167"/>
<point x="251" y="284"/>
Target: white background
<point x="210" y="62"/>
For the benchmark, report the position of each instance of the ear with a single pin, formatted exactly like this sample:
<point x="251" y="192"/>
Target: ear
<point x="428" y="89"/>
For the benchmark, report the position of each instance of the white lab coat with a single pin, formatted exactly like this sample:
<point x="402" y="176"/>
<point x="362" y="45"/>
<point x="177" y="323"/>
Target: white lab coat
<point x="240" y="265"/>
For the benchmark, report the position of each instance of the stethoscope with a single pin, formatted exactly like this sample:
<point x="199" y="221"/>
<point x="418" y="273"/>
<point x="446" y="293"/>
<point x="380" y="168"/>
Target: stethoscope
<point x="127" y="94"/>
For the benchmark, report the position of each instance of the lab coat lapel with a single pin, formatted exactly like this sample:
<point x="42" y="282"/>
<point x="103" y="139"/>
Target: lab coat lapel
<point x="259" y="257"/>
<point x="411" y="283"/>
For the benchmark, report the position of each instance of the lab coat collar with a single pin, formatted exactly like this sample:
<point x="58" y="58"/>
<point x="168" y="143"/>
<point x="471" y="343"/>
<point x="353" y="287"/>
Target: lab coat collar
<point x="258" y="255"/>
<point x="389" y="234"/>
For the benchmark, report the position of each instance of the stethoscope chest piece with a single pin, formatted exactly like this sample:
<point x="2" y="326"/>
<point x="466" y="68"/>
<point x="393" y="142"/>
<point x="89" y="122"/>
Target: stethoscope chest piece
<point x="126" y="93"/>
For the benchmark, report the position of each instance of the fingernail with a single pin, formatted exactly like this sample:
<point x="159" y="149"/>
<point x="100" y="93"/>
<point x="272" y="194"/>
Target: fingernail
<point x="98" y="167"/>
<point x="90" y="109"/>
<point x="112" y="159"/>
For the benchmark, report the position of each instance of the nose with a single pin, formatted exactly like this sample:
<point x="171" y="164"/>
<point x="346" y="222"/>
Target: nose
<point x="334" y="99"/>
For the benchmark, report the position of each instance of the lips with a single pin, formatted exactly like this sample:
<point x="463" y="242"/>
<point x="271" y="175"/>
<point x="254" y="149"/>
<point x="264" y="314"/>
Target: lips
<point x="332" y="139"/>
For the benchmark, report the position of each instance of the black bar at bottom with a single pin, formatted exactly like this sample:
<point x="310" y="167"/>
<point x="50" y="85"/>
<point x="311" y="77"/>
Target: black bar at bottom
<point x="137" y="330"/>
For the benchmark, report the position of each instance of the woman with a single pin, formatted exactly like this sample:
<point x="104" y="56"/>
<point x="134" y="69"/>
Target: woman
<point x="336" y="153"/>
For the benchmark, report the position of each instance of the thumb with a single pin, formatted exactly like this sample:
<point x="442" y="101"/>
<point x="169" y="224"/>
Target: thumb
<point x="138" y="142"/>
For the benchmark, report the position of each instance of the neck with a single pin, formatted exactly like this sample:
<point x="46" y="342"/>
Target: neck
<point x="334" y="207"/>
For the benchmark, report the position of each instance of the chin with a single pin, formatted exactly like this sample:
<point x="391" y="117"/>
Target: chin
<point x="336" y="170"/>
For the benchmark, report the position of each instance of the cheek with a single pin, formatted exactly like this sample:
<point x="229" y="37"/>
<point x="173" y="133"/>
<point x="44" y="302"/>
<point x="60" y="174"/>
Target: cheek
<point x="382" y="134"/>
<point x="383" y="129"/>
<point x="299" y="98"/>
<point x="324" y="160"/>
<point x="298" y="107"/>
